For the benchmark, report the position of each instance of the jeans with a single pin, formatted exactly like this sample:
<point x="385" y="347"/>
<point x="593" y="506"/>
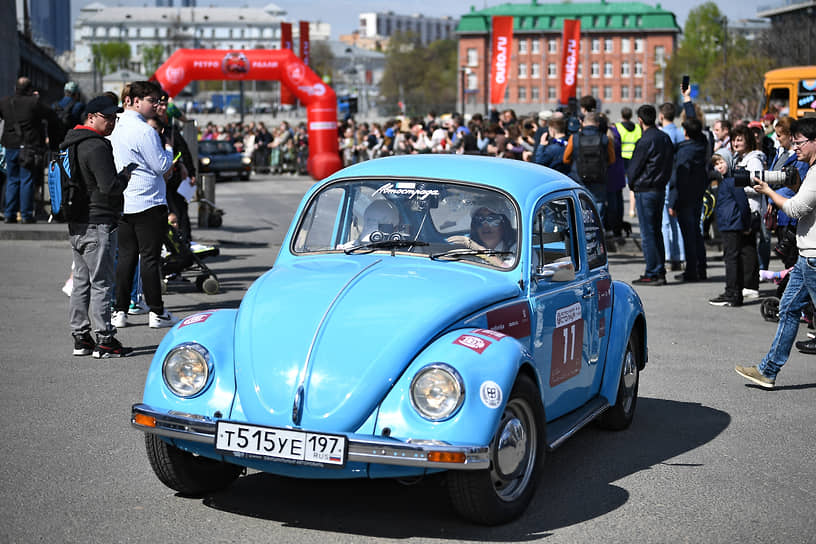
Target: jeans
<point x="672" y="238"/>
<point x="141" y="235"/>
<point x="688" y="218"/>
<point x="598" y="191"/>
<point x="19" y="187"/>
<point x="93" y="248"/>
<point x="801" y="288"/>
<point x="650" y="213"/>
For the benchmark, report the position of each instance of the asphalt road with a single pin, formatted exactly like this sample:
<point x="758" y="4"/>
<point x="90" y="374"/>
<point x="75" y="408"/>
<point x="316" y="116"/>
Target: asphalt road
<point x="707" y="459"/>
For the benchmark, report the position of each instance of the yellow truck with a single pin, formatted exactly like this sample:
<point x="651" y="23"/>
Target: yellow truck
<point x="790" y="91"/>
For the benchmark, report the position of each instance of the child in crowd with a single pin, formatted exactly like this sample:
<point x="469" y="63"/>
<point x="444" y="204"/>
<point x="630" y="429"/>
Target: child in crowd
<point x="733" y="216"/>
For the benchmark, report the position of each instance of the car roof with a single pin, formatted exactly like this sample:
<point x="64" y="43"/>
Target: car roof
<point x="523" y="180"/>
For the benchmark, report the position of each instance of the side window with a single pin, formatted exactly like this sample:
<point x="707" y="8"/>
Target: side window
<point x="554" y="234"/>
<point x="593" y="229"/>
<point x="317" y="230"/>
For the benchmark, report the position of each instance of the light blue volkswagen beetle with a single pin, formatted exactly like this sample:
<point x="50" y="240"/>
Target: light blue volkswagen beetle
<point x="425" y="314"/>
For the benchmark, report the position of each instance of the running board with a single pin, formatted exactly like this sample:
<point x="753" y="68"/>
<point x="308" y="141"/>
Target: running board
<point x="569" y="424"/>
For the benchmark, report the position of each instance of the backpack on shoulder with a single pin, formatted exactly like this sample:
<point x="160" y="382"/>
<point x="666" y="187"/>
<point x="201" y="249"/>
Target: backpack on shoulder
<point x="68" y="194"/>
<point x="65" y="115"/>
<point x="591" y="162"/>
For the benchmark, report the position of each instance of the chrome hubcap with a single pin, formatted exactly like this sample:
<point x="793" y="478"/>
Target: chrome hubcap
<point x="514" y="450"/>
<point x="511" y="448"/>
<point x="629" y="380"/>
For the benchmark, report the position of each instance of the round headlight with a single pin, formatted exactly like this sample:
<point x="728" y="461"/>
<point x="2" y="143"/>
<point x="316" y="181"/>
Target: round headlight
<point x="186" y="369"/>
<point x="246" y="160"/>
<point x="205" y="161"/>
<point x="437" y="391"/>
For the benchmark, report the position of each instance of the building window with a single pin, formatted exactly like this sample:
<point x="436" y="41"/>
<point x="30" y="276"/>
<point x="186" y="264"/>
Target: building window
<point x="551" y="93"/>
<point x="535" y="71"/>
<point x="638" y="45"/>
<point x="552" y="46"/>
<point x="507" y="94"/>
<point x="580" y="69"/>
<point x="638" y="20"/>
<point x="625" y="92"/>
<point x="659" y="80"/>
<point x="472" y="56"/>
<point x="638" y="92"/>
<point x="522" y="94"/>
<point x="595" y="70"/>
<point x="608" y="47"/>
<point x="607" y="92"/>
<point x="522" y="71"/>
<point x="625" y="45"/>
<point x="596" y="45"/>
<point x="522" y="47"/>
<point x="534" y="94"/>
<point x="607" y="69"/>
<point x="660" y="55"/>
<point x="593" y="90"/>
<point x="625" y="20"/>
<point x="536" y="49"/>
<point x="551" y="70"/>
<point x="624" y="69"/>
<point x="472" y="81"/>
<point x="578" y="91"/>
<point x="638" y="69"/>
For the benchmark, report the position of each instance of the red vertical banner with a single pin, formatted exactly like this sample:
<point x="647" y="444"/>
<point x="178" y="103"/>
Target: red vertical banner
<point x="500" y="64"/>
<point x="570" y="47"/>
<point x="304" y="42"/>
<point x="286" y="96"/>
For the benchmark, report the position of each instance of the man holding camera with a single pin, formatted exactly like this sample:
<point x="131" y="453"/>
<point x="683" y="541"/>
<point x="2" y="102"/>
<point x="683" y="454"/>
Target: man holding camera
<point x="802" y="279"/>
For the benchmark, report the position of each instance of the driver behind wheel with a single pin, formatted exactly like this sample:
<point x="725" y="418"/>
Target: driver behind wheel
<point x="490" y="229"/>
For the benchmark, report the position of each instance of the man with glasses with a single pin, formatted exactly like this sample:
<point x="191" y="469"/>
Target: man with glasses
<point x="93" y="229"/>
<point x="144" y="222"/>
<point x="802" y="278"/>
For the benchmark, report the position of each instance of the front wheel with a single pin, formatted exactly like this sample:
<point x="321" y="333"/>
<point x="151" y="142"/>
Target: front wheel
<point x="502" y="492"/>
<point x="185" y="472"/>
<point x="619" y="416"/>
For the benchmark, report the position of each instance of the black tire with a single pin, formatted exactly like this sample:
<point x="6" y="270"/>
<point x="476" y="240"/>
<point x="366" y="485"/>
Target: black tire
<point x="199" y="283"/>
<point x="619" y="416"/>
<point x="499" y="495"/>
<point x="214" y="220"/>
<point x="189" y="474"/>
<point x="210" y="286"/>
<point x="770" y="309"/>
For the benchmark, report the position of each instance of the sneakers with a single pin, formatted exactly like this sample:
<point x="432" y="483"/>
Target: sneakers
<point x="650" y="280"/>
<point x="111" y="348"/>
<point x="83" y="344"/>
<point x="139" y="307"/>
<point x="807" y="346"/>
<point x="119" y="319"/>
<point x="750" y="293"/>
<point x="156" y="321"/>
<point x="724" y="300"/>
<point x="753" y="374"/>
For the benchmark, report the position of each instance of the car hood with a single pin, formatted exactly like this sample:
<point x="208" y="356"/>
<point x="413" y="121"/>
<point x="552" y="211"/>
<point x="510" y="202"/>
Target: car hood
<point x="320" y="342"/>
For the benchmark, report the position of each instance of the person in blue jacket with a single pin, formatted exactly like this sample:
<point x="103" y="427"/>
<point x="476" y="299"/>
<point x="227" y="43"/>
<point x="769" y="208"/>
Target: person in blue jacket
<point x="733" y="216"/>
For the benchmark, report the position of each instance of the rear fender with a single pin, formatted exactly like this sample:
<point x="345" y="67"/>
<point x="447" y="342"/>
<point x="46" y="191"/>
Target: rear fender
<point x="627" y="316"/>
<point x="215" y="330"/>
<point x="488" y="363"/>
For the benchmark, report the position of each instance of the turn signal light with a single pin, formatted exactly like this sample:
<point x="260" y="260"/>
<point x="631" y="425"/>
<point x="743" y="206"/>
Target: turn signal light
<point x="144" y="421"/>
<point x="446" y="457"/>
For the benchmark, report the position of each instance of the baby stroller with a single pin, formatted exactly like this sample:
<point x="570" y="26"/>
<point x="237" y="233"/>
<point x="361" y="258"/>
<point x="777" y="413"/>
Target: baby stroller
<point x="786" y="250"/>
<point x="181" y="259"/>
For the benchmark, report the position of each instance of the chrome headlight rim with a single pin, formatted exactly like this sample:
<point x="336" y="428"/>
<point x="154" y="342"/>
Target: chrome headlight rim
<point x="208" y="369"/>
<point x="246" y="161"/>
<point x="457" y="379"/>
<point x="205" y="161"/>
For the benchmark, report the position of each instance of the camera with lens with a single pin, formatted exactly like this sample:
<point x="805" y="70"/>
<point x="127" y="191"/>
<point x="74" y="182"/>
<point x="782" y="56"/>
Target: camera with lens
<point x="776" y="179"/>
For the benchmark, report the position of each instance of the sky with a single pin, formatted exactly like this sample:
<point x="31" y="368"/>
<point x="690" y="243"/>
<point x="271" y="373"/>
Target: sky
<point x="342" y="14"/>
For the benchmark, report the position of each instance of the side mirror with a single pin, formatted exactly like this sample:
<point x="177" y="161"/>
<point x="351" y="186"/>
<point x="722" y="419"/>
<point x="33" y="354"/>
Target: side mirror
<point x="557" y="271"/>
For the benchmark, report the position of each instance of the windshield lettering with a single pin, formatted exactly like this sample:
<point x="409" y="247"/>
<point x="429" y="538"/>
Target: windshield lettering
<point x="406" y="189"/>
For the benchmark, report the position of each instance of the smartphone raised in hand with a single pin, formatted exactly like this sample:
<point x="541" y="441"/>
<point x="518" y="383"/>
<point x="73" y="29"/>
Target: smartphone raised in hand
<point x="685" y="85"/>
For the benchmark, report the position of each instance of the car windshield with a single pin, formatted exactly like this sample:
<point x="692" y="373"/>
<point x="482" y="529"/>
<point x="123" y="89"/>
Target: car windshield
<point x="213" y="147"/>
<point x="442" y="220"/>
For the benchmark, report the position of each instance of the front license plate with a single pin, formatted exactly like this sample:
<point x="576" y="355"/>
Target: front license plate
<point x="281" y="444"/>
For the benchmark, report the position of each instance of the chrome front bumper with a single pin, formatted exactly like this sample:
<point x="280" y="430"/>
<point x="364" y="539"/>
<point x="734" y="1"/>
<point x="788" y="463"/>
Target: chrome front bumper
<point x="195" y="428"/>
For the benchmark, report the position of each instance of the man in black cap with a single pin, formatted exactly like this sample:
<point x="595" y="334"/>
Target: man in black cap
<point x="93" y="229"/>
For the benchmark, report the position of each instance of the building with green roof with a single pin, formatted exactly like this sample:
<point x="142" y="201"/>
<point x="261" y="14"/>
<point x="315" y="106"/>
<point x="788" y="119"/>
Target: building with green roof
<point x="623" y="51"/>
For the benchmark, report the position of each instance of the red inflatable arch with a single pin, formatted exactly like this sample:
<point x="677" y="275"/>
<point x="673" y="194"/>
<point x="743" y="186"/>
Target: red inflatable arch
<point x="186" y="65"/>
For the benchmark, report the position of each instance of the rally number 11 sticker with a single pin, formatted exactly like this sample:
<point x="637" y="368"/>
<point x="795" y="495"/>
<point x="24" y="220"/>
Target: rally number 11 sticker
<point x="567" y="344"/>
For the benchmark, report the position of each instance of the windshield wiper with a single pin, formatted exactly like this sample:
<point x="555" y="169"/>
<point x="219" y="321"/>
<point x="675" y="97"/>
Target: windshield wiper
<point x="369" y="247"/>
<point x="458" y="253"/>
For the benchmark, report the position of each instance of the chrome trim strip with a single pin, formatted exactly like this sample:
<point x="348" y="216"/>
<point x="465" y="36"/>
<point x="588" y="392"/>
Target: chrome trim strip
<point x="588" y="418"/>
<point x="383" y="452"/>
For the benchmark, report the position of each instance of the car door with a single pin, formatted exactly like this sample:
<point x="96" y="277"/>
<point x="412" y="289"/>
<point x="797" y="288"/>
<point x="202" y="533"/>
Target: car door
<point x="597" y="295"/>
<point x="561" y="338"/>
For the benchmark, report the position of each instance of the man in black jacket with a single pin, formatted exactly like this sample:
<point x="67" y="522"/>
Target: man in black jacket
<point x="23" y="115"/>
<point x="93" y="230"/>
<point x="649" y="172"/>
